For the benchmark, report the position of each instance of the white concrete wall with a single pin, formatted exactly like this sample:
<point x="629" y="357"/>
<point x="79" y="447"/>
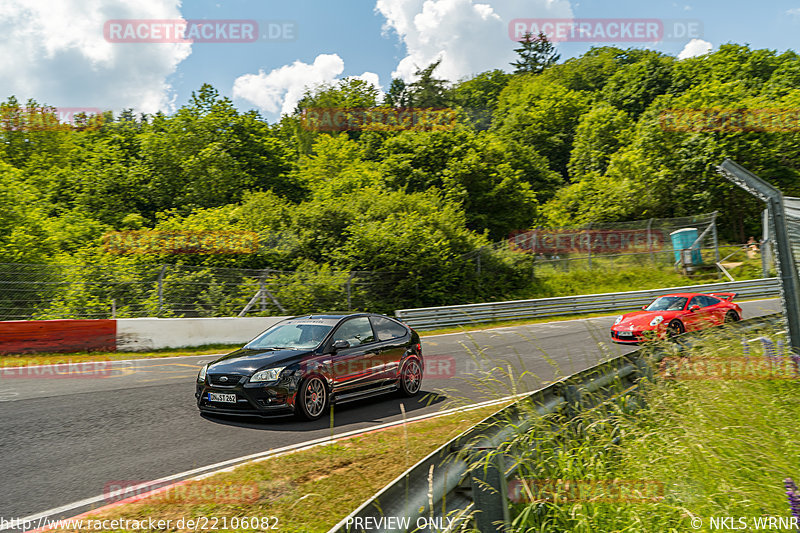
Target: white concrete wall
<point x="137" y="334"/>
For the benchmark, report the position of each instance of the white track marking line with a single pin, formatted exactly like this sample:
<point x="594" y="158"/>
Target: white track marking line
<point x="209" y="470"/>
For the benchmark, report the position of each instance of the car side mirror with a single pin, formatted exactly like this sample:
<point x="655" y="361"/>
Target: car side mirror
<point x="644" y="308"/>
<point x="340" y="345"/>
<point x="694" y="308"/>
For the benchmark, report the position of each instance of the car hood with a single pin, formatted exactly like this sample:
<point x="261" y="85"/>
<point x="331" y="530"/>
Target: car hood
<point x="245" y="361"/>
<point x="642" y="319"/>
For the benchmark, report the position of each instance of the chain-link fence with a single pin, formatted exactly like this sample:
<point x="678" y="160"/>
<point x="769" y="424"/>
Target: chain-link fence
<point x="656" y="241"/>
<point x="39" y="291"/>
<point x="509" y="269"/>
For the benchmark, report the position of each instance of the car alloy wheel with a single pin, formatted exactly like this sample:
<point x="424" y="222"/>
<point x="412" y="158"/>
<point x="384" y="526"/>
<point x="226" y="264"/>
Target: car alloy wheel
<point x="410" y="378"/>
<point x="313" y="398"/>
<point x="675" y="328"/>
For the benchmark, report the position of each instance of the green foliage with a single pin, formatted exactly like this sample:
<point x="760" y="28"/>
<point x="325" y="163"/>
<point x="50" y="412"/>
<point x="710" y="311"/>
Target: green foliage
<point x="600" y="133"/>
<point x="542" y="114"/>
<point x="495" y="182"/>
<point x="428" y="91"/>
<point x="555" y="144"/>
<point x="535" y="54"/>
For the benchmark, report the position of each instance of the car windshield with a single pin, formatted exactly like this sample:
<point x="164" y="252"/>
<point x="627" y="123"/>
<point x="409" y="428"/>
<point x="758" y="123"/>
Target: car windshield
<point x="291" y="335"/>
<point x="667" y="303"/>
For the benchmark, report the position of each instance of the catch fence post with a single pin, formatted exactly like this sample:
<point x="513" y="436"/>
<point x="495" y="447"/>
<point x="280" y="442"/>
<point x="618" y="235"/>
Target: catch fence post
<point x="262" y="285"/>
<point x="784" y="259"/>
<point x="589" y="242"/>
<point x="161" y="289"/>
<point x="347" y="286"/>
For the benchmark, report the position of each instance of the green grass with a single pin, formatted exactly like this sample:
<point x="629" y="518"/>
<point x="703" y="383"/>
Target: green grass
<point x="308" y="490"/>
<point x="11" y="360"/>
<point x="708" y="448"/>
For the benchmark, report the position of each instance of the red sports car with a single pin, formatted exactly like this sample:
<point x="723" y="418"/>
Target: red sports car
<point x="673" y="314"/>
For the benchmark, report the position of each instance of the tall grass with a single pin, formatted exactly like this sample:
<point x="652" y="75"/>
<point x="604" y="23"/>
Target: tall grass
<point x="679" y="449"/>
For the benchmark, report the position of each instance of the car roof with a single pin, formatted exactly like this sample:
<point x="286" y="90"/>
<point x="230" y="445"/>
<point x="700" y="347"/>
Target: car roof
<point x="689" y="294"/>
<point x="338" y="316"/>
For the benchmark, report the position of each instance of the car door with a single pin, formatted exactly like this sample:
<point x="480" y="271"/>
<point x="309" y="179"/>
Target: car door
<point x="716" y="311"/>
<point x="392" y="341"/>
<point x="700" y="318"/>
<point x="354" y="367"/>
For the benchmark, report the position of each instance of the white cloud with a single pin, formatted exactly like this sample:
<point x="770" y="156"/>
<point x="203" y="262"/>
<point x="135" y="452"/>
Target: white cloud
<point x="694" y="48"/>
<point x="55" y="52"/>
<point x="281" y="89"/>
<point x="469" y="37"/>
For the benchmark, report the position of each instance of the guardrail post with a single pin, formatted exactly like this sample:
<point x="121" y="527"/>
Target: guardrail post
<point x="572" y="394"/>
<point x="644" y="368"/>
<point x="490" y="493"/>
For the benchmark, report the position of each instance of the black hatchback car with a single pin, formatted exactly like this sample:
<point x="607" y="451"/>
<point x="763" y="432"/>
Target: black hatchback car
<point x="302" y="364"/>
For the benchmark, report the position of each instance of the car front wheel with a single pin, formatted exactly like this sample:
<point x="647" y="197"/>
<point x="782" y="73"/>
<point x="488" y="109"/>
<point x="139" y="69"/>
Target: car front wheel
<point x="312" y="398"/>
<point x="675" y="328"/>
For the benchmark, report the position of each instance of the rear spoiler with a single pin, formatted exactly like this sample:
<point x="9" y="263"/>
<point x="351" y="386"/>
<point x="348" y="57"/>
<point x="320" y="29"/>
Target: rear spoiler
<point x="727" y="296"/>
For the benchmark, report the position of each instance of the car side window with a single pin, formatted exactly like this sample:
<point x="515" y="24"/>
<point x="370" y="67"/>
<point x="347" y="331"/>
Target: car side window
<point x="387" y="329"/>
<point x="695" y="301"/>
<point x="356" y="331"/>
<point x="677" y="305"/>
<point x="708" y="301"/>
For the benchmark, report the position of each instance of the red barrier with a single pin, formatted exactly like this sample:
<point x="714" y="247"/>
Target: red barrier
<point x="27" y="336"/>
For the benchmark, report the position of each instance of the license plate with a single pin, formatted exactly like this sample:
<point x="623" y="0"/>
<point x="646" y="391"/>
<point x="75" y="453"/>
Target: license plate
<point x="220" y="397"/>
<point x="625" y="334"/>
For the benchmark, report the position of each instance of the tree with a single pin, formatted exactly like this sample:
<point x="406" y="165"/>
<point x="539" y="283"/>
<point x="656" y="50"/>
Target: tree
<point x="398" y="95"/>
<point x="478" y="96"/>
<point x="428" y="91"/>
<point x="600" y="133"/>
<point x="349" y="92"/>
<point x="541" y="114"/>
<point x="535" y="54"/>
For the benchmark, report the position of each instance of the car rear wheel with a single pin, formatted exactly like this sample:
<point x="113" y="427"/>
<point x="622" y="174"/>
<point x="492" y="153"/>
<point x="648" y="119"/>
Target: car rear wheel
<point x="410" y="378"/>
<point x="732" y="316"/>
<point x="675" y="328"/>
<point x="312" y="399"/>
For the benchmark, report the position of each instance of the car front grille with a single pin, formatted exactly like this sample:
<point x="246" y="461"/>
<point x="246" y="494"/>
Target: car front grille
<point x="229" y="381"/>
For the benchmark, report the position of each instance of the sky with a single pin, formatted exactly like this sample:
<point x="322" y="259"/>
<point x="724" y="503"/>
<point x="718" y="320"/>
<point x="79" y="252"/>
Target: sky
<point x="94" y="54"/>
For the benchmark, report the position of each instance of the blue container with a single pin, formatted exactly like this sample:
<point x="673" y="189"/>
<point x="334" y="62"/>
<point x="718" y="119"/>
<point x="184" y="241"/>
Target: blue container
<point x="683" y="239"/>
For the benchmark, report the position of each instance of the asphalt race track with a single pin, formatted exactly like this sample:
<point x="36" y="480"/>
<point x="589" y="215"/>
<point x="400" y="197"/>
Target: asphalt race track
<point x="64" y="440"/>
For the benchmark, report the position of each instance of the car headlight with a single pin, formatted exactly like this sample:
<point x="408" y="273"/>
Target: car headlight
<point x="270" y="374"/>
<point x="618" y="320"/>
<point x="201" y="376"/>
<point x="657" y="320"/>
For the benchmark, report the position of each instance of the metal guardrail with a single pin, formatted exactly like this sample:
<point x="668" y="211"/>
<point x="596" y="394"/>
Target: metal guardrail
<point x="443" y="490"/>
<point x="458" y="315"/>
